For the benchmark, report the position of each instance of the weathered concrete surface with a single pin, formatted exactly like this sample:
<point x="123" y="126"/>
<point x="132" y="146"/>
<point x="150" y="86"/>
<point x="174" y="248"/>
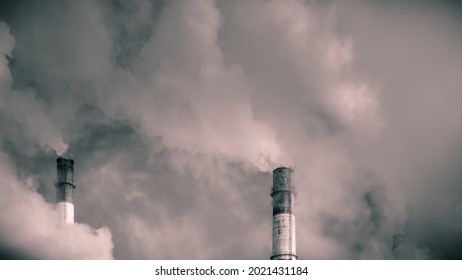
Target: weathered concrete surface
<point x="283" y="193"/>
<point x="65" y="189"/>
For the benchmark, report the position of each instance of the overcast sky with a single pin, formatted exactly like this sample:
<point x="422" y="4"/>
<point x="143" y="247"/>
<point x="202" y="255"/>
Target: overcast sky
<point x="176" y="113"/>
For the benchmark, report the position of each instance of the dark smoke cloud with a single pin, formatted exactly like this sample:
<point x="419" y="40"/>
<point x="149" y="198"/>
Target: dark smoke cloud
<point x="177" y="111"/>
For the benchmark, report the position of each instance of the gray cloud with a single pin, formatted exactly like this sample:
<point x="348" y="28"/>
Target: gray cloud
<point x="30" y="228"/>
<point x="176" y="112"/>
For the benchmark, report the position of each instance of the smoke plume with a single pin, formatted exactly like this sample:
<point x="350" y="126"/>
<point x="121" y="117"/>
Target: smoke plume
<point x="177" y="111"/>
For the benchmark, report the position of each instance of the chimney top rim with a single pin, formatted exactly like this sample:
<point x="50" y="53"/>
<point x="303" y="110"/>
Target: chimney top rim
<point x="283" y="168"/>
<point x="64" y="159"/>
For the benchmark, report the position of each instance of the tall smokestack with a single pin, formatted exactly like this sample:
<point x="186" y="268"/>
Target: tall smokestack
<point x="283" y="194"/>
<point x="65" y="189"/>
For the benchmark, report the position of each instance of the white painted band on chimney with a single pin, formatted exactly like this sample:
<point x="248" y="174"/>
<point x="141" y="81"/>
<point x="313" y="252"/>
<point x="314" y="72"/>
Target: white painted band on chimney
<point x="65" y="212"/>
<point x="284" y="246"/>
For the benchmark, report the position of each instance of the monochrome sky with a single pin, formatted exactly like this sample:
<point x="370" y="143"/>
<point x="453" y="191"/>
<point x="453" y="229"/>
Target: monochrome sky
<point x="176" y="112"/>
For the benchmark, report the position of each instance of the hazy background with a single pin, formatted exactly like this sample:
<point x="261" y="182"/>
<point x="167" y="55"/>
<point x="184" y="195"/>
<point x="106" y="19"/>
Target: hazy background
<point x="176" y="112"/>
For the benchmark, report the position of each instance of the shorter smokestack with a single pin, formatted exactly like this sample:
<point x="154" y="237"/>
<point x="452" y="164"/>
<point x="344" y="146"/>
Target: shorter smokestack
<point x="65" y="189"/>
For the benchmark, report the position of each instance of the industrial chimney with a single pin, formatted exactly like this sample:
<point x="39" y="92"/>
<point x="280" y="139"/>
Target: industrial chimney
<point x="283" y="194"/>
<point x="65" y="189"/>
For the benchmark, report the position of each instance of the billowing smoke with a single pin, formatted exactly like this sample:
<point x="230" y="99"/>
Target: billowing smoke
<point x="23" y="115"/>
<point x="177" y="111"/>
<point x="30" y="226"/>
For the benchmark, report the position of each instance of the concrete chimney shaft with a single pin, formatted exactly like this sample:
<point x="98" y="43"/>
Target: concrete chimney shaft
<point x="65" y="189"/>
<point x="283" y="194"/>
